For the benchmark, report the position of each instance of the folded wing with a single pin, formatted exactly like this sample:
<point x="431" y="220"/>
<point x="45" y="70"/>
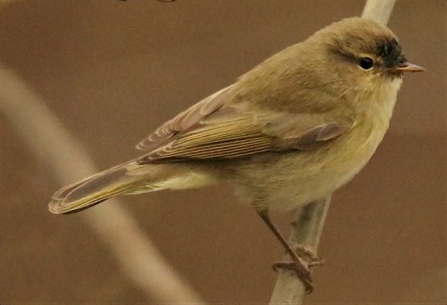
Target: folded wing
<point x="215" y="128"/>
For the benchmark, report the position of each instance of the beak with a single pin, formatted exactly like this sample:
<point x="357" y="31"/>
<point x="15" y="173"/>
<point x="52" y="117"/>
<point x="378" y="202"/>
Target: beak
<point x="407" y="67"/>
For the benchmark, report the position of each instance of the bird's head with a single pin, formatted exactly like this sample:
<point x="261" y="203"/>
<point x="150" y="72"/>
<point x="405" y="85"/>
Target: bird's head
<point x="365" y="50"/>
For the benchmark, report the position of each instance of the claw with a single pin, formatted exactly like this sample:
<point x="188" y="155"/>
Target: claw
<point x="305" y="260"/>
<point x="320" y="262"/>
<point x="298" y="265"/>
<point x="301" y="271"/>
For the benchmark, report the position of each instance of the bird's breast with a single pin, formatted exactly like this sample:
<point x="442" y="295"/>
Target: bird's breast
<point x="297" y="178"/>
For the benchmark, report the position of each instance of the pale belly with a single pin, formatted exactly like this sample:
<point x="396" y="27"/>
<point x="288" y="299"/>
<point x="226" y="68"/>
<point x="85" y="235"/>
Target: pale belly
<point x="299" y="178"/>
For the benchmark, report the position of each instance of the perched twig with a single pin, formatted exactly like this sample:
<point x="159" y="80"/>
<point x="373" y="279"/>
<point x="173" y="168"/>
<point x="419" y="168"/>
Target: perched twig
<point x="378" y="10"/>
<point x="307" y="228"/>
<point x="306" y="232"/>
<point x="53" y="145"/>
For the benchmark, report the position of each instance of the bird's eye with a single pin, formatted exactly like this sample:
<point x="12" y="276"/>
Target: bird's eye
<point x="366" y="63"/>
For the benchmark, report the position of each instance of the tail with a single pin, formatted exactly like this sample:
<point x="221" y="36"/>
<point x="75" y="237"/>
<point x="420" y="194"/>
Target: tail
<point x="115" y="181"/>
<point x="125" y="179"/>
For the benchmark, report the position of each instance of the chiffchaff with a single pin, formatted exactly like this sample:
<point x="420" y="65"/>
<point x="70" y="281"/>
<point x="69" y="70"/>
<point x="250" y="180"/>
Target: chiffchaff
<point x="292" y="130"/>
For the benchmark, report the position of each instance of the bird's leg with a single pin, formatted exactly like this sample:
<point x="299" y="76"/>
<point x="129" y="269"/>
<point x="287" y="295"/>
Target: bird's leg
<point x="298" y="265"/>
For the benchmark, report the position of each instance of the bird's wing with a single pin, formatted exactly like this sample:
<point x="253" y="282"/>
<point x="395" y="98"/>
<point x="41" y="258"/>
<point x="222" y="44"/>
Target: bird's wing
<point x="185" y="120"/>
<point x="213" y="130"/>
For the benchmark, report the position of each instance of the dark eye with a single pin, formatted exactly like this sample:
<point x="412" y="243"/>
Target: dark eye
<point x="366" y="63"/>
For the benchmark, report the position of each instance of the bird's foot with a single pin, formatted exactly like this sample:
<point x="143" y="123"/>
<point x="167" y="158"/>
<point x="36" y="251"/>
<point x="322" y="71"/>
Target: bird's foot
<point x="306" y="260"/>
<point x="301" y="270"/>
<point x="309" y="256"/>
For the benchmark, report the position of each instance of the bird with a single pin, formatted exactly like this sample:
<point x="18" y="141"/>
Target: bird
<point x="290" y="131"/>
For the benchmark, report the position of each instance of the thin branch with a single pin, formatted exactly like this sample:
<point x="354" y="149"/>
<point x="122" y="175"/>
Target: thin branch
<point x="306" y="232"/>
<point x="310" y="219"/>
<point x="378" y="10"/>
<point x="46" y="137"/>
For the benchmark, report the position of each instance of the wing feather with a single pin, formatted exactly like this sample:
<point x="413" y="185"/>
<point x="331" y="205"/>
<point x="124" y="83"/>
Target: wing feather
<point x="186" y="119"/>
<point x="215" y="128"/>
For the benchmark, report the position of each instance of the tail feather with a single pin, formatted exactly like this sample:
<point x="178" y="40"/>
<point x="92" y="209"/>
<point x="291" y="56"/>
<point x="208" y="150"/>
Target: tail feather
<point x="126" y="179"/>
<point x="95" y="189"/>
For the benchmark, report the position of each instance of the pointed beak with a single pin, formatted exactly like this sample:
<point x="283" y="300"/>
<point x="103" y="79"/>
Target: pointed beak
<point x="407" y="67"/>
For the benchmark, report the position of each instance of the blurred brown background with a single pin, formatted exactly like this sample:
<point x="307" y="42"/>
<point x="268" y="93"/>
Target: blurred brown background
<point x="113" y="71"/>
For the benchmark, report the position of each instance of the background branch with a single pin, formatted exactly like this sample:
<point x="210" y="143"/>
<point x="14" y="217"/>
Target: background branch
<point x="52" y="144"/>
<point x="309" y="220"/>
